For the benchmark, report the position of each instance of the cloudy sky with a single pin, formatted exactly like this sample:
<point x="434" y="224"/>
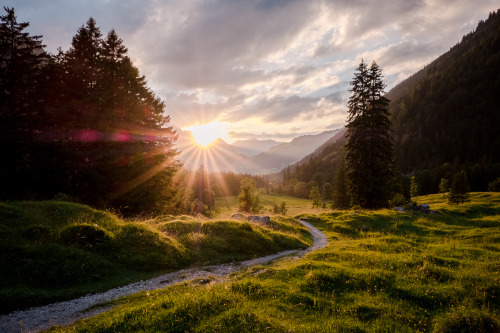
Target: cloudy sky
<point x="262" y="68"/>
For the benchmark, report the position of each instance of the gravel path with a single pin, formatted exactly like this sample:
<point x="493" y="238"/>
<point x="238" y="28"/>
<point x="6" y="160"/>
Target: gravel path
<point x="64" y="313"/>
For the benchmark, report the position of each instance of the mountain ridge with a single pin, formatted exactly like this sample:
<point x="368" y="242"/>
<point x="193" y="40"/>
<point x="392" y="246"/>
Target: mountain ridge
<point x="222" y="156"/>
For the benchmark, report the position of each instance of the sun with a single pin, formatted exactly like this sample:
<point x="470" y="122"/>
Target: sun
<point x="206" y="134"/>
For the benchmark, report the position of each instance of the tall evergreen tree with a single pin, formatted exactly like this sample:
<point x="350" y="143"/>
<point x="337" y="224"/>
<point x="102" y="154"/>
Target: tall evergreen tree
<point x="413" y="187"/>
<point x="22" y="73"/>
<point x="340" y="189"/>
<point x="459" y="189"/>
<point x="316" y="197"/>
<point x="370" y="165"/>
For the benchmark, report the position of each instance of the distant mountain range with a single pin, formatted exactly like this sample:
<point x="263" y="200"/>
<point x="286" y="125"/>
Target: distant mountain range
<point x="248" y="156"/>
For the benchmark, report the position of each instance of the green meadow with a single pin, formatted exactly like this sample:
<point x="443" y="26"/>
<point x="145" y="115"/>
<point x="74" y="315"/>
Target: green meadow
<point x="226" y="206"/>
<point x="53" y="251"/>
<point x="383" y="271"/>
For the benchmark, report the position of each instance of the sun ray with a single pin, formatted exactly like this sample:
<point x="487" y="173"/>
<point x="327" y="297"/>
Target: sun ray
<point x="204" y="135"/>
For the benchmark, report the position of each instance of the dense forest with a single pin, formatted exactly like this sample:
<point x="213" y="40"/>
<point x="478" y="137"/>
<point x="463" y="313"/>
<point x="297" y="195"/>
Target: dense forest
<point x="444" y="119"/>
<point x="81" y="124"/>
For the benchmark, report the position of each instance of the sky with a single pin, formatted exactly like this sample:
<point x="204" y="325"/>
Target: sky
<point x="264" y="69"/>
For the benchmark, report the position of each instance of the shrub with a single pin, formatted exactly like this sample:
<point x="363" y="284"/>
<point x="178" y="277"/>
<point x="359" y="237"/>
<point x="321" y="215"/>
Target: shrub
<point x="248" y="199"/>
<point x="397" y="201"/>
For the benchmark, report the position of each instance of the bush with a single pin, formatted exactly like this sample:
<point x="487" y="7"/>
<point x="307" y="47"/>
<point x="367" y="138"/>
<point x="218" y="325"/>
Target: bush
<point x="397" y="201"/>
<point x="248" y="199"/>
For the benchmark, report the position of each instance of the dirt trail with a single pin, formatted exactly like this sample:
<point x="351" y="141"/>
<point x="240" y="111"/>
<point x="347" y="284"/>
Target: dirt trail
<point x="67" y="312"/>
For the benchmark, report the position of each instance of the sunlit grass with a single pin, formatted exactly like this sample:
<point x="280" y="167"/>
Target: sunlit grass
<point x="383" y="271"/>
<point x="228" y="205"/>
<point x="57" y="250"/>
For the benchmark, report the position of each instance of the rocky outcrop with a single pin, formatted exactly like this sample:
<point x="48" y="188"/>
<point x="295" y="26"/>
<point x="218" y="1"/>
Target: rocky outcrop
<point x="423" y="208"/>
<point x="261" y="219"/>
<point x="252" y="218"/>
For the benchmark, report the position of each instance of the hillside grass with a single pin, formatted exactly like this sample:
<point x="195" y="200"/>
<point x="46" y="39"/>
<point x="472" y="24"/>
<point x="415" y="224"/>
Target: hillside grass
<point x="383" y="271"/>
<point x="52" y="250"/>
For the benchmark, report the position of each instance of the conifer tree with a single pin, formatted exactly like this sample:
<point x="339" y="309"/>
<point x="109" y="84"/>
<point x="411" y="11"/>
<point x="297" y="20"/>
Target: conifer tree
<point x="370" y="166"/>
<point x="444" y="185"/>
<point x="340" y="190"/>
<point x="22" y="68"/>
<point x="327" y="192"/>
<point x="413" y="187"/>
<point x="459" y="189"/>
<point x="316" y="197"/>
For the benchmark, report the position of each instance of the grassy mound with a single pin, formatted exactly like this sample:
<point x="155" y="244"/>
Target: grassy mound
<point x="58" y="250"/>
<point x="383" y="271"/>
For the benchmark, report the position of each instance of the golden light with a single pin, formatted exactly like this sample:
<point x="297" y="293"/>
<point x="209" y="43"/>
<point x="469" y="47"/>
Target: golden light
<point x="205" y="134"/>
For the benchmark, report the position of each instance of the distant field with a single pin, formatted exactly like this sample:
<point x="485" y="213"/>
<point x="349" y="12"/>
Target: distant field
<point x="54" y="250"/>
<point x="383" y="271"/>
<point x="226" y="206"/>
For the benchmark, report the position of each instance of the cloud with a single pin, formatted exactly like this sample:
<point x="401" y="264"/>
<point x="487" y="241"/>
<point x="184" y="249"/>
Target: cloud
<point x="271" y="67"/>
<point x="219" y="42"/>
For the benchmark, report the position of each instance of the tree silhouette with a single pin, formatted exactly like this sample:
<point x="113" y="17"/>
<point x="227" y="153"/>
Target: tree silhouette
<point x="459" y="189"/>
<point x="370" y="166"/>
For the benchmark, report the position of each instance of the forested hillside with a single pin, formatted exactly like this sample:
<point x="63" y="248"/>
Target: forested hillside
<point x="444" y="118"/>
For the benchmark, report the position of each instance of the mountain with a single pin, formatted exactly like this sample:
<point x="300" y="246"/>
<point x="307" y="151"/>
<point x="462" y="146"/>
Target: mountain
<point x="445" y="117"/>
<point x="278" y="157"/>
<point x="221" y="156"/>
<point x="253" y="147"/>
<point x="321" y="164"/>
<point x="324" y="152"/>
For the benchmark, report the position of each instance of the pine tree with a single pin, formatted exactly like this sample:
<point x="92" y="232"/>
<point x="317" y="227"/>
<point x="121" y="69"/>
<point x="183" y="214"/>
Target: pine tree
<point x="459" y="189"/>
<point x="340" y="189"/>
<point x="370" y="166"/>
<point x="413" y="187"/>
<point x="316" y="197"/>
<point x="22" y="79"/>
<point x="327" y="192"/>
<point x="444" y="185"/>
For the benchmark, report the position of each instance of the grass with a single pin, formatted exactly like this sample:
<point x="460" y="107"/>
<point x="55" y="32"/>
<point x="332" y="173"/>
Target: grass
<point x="383" y="271"/>
<point x="52" y="250"/>
<point x="226" y="206"/>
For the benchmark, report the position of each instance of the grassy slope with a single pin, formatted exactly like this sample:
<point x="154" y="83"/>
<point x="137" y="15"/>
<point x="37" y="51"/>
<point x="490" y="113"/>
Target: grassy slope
<point x="410" y="272"/>
<point x="57" y="250"/>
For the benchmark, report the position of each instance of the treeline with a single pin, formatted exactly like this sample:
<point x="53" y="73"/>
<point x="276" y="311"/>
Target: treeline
<point x="81" y="124"/>
<point x="317" y="169"/>
<point x="196" y="190"/>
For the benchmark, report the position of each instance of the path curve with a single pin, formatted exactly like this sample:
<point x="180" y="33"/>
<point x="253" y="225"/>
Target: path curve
<point x="67" y="312"/>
